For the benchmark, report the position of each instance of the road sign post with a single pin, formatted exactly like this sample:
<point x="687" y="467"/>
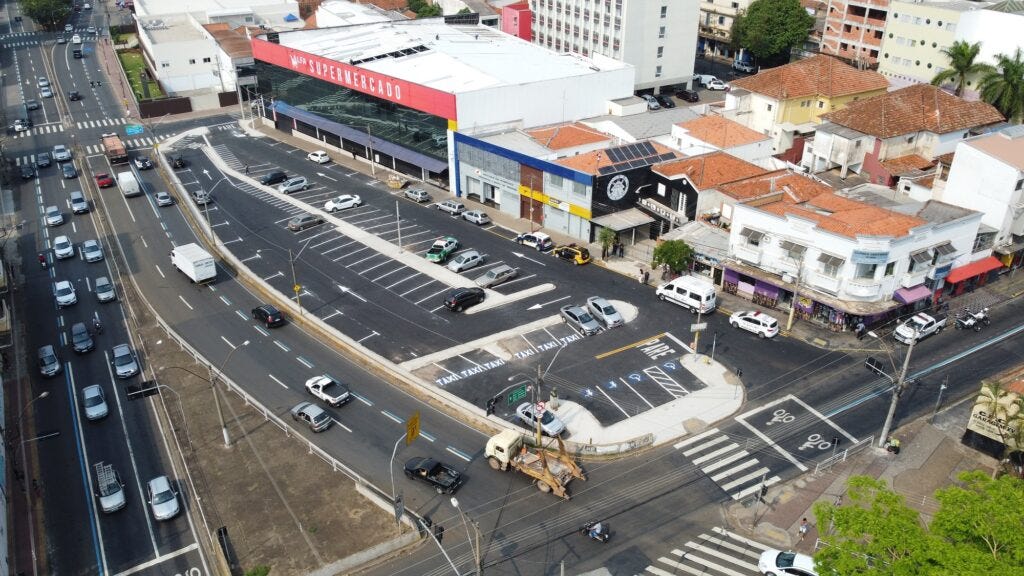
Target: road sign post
<point x="412" y="428"/>
<point x="399" y="509"/>
<point x="516" y="394"/>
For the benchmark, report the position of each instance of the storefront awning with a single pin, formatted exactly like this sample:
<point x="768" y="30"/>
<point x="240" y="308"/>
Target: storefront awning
<point x="911" y="295"/>
<point x="922" y="257"/>
<point x="973" y="269"/>
<point x="623" y="220"/>
<point x="847" y="306"/>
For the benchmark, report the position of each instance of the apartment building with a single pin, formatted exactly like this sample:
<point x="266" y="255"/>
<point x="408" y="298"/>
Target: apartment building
<point x="715" y="29"/>
<point x="854" y="30"/>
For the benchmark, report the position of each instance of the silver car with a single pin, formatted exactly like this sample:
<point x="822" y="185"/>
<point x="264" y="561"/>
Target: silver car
<point x="64" y="292"/>
<point x="63" y="248"/>
<point x="496" y="275"/>
<point x="49" y="364"/>
<point x="92" y="251"/>
<point x="465" y="261"/>
<point x="580" y="320"/>
<point x="163" y="199"/>
<point x="163" y="500"/>
<point x="314" y="416"/>
<point x="61" y="153"/>
<point x="94" y="401"/>
<point x="603" y="311"/>
<point x="53" y="216"/>
<point x="550" y="424"/>
<point x="478" y="217"/>
<point x="124" y="361"/>
<point x="104" y="289"/>
<point x="418" y="195"/>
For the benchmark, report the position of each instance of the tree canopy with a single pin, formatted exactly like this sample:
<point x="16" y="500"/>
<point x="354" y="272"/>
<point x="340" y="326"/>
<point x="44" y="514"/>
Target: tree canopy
<point x="676" y="253"/>
<point x="977" y="530"/>
<point x="769" y="29"/>
<point x="962" y="56"/>
<point x="48" y="13"/>
<point x="1003" y="86"/>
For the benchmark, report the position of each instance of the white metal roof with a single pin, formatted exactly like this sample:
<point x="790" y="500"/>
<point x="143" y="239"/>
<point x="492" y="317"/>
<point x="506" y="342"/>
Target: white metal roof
<point x="454" y="59"/>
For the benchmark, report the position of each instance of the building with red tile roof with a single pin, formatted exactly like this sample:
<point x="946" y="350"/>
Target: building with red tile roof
<point x="713" y="132"/>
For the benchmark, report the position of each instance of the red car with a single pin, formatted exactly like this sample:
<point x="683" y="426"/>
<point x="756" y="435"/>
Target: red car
<point x="104" y="180"/>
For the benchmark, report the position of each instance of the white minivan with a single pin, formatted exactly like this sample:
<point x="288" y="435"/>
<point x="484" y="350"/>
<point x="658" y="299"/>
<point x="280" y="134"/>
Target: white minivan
<point x="691" y="292"/>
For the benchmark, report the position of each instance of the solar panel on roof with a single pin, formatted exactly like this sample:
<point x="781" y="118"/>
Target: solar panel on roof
<point x="613" y="155"/>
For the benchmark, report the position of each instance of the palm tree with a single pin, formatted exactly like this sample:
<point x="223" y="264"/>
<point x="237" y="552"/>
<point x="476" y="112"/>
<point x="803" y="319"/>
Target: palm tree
<point x="1003" y="87"/>
<point x="961" y="56"/>
<point x="1008" y="408"/>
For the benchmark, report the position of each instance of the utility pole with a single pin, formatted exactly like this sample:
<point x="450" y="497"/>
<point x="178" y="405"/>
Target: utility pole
<point x="896" y="392"/>
<point x="535" y="411"/>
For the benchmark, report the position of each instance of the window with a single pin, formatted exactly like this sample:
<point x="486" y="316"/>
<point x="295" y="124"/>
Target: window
<point x="165" y="64"/>
<point x="206" y="60"/>
<point x="753" y="236"/>
<point x="866" y="271"/>
<point x="890" y="268"/>
<point x="919" y="259"/>
<point x="657" y="71"/>
<point x="191" y="60"/>
<point x="736" y="5"/>
<point x="661" y="32"/>
<point x="664" y="11"/>
<point x="769" y="107"/>
<point x="830" y="265"/>
<point x="821" y="104"/>
<point x="793" y="250"/>
<point x="721" y="20"/>
<point x="1020" y="184"/>
<point x="661" y="51"/>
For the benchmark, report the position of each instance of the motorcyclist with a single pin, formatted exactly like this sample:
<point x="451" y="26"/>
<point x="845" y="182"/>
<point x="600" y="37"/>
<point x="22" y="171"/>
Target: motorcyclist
<point x="97" y="325"/>
<point x="42" y="260"/>
<point x="595" y="530"/>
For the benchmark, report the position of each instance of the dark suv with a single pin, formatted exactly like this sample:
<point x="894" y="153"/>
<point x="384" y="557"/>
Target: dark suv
<point x="273" y="177"/>
<point x="460" y="298"/>
<point x="268" y="315"/>
<point x="687" y="95"/>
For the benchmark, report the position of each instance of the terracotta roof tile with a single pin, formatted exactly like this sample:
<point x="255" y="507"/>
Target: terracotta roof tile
<point x="567" y="136"/>
<point x="845" y="216"/>
<point x="816" y="76"/>
<point x="235" y="43"/>
<point x="916" y="108"/>
<point x="721" y="132"/>
<point x="905" y="164"/>
<point x="799" y="188"/>
<point x="708" y="170"/>
<point x="591" y="162"/>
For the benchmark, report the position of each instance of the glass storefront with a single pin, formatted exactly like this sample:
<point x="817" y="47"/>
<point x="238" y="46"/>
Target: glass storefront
<point x="388" y="121"/>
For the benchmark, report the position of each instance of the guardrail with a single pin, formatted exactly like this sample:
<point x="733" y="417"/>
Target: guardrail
<point x="840" y="457"/>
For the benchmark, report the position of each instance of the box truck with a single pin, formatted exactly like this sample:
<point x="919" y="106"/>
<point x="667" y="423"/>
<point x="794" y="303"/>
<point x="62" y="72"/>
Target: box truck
<point x="194" y="262"/>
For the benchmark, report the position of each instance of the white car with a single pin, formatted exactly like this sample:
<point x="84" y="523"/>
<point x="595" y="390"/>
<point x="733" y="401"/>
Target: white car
<point x="54" y="216"/>
<point x="319" y="156"/>
<point x="42" y="82"/>
<point x="538" y="240"/>
<point x="94" y="402"/>
<point x="61" y="153"/>
<point x="163" y="500"/>
<point x="329" y="390"/>
<point x="76" y="39"/>
<point x="550" y="424"/>
<point x="343" y="202"/>
<point x="64" y="292"/>
<point x="716" y="84"/>
<point x="465" y="261"/>
<point x="779" y="563"/>
<point x="92" y="251"/>
<point x="478" y="217"/>
<point x="63" y="248"/>
<point x="604" y="312"/>
<point x="91" y="29"/>
<point x="46" y="93"/>
<point x="757" y="322"/>
<point x="68" y="27"/>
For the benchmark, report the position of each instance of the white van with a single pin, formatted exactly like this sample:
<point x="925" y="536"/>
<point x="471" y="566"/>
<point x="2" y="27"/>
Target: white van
<point x="129" y="184"/>
<point x="691" y="292"/>
<point x="76" y="39"/>
<point x="704" y="79"/>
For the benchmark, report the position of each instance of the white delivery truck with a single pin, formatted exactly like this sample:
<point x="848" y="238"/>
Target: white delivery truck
<point x="128" y="183"/>
<point x="194" y="262"/>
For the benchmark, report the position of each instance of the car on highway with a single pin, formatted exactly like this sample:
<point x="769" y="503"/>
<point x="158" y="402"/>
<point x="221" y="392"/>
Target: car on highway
<point x="163" y="500"/>
<point x="104" y="289"/>
<point x="64" y="293"/>
<point x="441" y="249"/>
<point x="580" y="320"/>
<point x="539" y="240"/>
<point x="296" y="184"/>
<point x="68" y="27"/>
<point x="163" y="199"/>
<point x="318" y="156"/>
<point x="303" y="221"/>
<point x="68" y="170"/>
<point x="453" y="207"/>
<point x="92" y="251"/>
<point x="716" y="84"/>
<point x="572" y="253"/>
<point x="27" y="171"/>
<point x="273" y="177"/>
<point x="75" y="39"/>
<point x="79" y="205"/>
<point x="63" y="248"/>
<point x="61" y="153"/>
<point x="465" y="261"/>
<point x="754" y="321"/>
<point x="418" y="195"/>
<point x="43" y="82"/>
<point x="32" y="104"/>
<point x="81" y="339"/>
<point x="329" y="390"/>
<point x="442" y="477"/>
<point x="343" y="202"/>
<point x="91" y="29"/>
<point x="604" y="312"/>
<point x="778" y="563"/>
<point x="268" y="315"/>
<point x="478" y="217"/>
<point x="124" y="361"/>
<point x="74" y="96"/>
<point x="49" y="364"/>
<point x="458" y="299"/>
<point x="53" y="215"/>
<point x="104" y="180"/>
<point x="142" y="162"/>
<point x="94" y="402"/>
<point x="314" y="416"/>
<point x="43" y="160"/>
<point x="550" y="425"/>
<point x="496" y="275"/>
<point x="61" y="39"/>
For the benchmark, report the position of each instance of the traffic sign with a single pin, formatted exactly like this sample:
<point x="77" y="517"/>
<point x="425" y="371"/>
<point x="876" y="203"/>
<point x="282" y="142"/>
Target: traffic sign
<point x="297" y="288"/>
<point x="412" y="428"/>
<point x="133" y="129"/>
<point x="399" y="508"/>
<point x="698" y="327"/>
<point x="516" y="395"/>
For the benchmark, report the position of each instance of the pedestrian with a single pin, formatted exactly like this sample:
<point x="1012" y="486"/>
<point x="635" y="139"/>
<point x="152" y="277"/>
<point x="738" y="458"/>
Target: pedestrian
<point x="640" y="276"/>
<point x="246" y="169"/>
<point x="604" y="252"/>
<point x="622" y="250"/>
<point x="647" y="276"/>
<point x="664" y="272"/>
<point x="860" y="330"/>
<point x="804" y="527"/>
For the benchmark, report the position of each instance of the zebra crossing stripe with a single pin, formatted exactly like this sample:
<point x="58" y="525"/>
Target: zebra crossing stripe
<point x="724" y="461"/>
<point x="744" y="479"/>
<point x="679" y="566"/>
<point x="659" y="571"/>
<point x="750" y="490"/>
<point x="708" y="444"/>
<point x="733" y="470"/>
<point x="743" y="539"/>
<point x="708" y="564"/>
<point x="692" y="439"/>
<point x="720" y="542"/>
<point x="725" y="449"/>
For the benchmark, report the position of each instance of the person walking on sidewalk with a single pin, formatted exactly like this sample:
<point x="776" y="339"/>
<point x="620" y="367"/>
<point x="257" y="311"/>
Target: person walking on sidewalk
<point x="804" y="527"/>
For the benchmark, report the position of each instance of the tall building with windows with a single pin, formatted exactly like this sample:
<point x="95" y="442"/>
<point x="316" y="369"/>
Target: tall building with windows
<point x="854" y="30"/>
<point x="657" y="37"/>
<point x="715" y="28"/>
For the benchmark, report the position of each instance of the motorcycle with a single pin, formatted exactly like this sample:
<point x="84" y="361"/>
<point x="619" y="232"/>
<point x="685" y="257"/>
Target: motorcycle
<point x="972" y="320"/>
<point x="596" y="530"/>
<point x="42" y="260"/>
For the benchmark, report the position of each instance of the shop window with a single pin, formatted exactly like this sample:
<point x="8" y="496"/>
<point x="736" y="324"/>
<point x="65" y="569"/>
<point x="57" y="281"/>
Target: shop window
<point x="866" y="271"/>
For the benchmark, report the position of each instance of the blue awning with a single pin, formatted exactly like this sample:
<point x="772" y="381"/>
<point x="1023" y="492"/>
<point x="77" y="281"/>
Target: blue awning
<point x="291" y="18"/>
<point x="911" y="295"/>
<point x="359" y="136"/>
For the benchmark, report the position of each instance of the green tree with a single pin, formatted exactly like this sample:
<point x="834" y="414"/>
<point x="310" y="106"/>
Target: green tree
<point x="1003" y="86"/>
<point x="769" y="29"/>
<point x="676" y="253"/>
<point x="961" y="56"/>
<point x="47" y="13"/>
<point x="983" y="517"/>
<point x="424" y="9"/>
<point x="606" y="236"/>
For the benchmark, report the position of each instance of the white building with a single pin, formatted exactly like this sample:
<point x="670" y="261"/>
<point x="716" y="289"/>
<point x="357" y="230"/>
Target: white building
<point x="344" y="13"/>
<point x="997" y="28"/>
<point x="657" y="37"/>
<point x="713" y="133"/>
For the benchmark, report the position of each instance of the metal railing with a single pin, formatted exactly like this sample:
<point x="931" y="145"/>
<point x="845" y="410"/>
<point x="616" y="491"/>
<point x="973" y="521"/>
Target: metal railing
<point x="840" y="457"/>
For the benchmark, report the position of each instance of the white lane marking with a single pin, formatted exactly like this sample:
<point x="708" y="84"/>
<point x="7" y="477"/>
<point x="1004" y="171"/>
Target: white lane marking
<point x="735" y="469"/>
<point x="228" y="342"/>
<point x="304" y="362"/>
<point x="697" y="438"/>
<point x="601" y="390"/>
<point x="332" y="314"/>
<point x="628" y="385"/>
<point x="159" y="271"/>
<point x="785" y="453"/>
<point x="158" y="560"/>
<point x="182" y="298"/>
<point x="242" y="315"/>
<point x="717" y="440"/>
<point x="272" y="377"/>
<point x="427" y="437"/>
<point x="392" y="416"/>
<point x="362" y="399"/>
<point x="458" y="453"/>
<point x="225" y="300"/>
<point x="338" y="422"/>
<point x="259" y="329"/>
<point x="282" y="346"/>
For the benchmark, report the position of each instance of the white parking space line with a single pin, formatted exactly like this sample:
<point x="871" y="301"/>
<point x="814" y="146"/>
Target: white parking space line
<point x="351" y="264"/>
<point x="338" y="422"/>
<point x="386" y="274"/>
<point x="351" y="253"/>
<point x="272" y="276"/>
<point x="603" y="393"/>
<point x="332" y="314"/>
<point x="384" y="263"/>
<point x="407" y="278"/>
<point x="435" y="294"/>
<point x="368" y="336"/>
<point x="628" y="385"/>
<point x="328" y="241"/>
<point x="158" y="560"/>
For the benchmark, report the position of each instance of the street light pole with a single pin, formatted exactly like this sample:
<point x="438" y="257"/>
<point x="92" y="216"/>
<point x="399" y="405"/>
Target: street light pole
<point x="476" y="533"/>
<point x="896" y="392"/>
<point x="216" y="397"/>
<point x="295" y="283"/>
<point x="391" y="469"/>
<point x="17" y="421"/>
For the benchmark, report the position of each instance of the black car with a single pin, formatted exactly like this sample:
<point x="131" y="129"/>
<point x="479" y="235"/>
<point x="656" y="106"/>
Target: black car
<point x="32" y="104"/>
<point x="178" y="162"/>
<point x="68" y="169"/>
<point x="273" y="177"/>
<point x="74" y="95"/>
<point x="143" y="162"/>
<point x="687" y="95"/>
<point x="27" y="172"/>
<point x="43" y="160"/>
<point x="461" y="298"/>
<point x="665" y="100"/>
<point x="268" y="315"/>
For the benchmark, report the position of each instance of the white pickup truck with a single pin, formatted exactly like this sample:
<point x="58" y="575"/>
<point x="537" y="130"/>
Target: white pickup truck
<point x="329" y="390"/>
<point x="919" y="327"/>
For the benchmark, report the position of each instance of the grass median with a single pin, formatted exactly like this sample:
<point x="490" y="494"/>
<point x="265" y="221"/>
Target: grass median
<point x="133" y="64"/>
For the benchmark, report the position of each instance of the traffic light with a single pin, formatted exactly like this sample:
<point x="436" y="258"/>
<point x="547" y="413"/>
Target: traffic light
<point x="490" y="406"/>
<point x="438" y="532"/>
<point x="874" y="365"/>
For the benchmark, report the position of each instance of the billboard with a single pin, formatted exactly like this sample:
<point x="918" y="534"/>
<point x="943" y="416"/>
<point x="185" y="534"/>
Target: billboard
<point x="997" y="411"/>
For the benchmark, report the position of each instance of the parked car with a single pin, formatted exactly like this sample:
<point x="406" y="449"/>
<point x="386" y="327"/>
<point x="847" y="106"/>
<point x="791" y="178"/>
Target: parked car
<point x="303" y="221"/>
<point x="49" y="364"/>
<point x="665" y="100"/>
<point x="539" y="240"/>
<point x="32" y="104"/>
<point x="68" y="170"/>
<point x="296" y="184"/>
<point x="418" y="195"/>
<point x="778" y="563"/>
<point x="92" y="251"/>
<point x="465" y="261"/>
<point x="272" y="177"/>
<point x="329" y="390"/>
<point x="142" y="162"/>
<point x="268" y="315"/>
<point x="716" y="85"/>
<point x="478" y="217"/>
<point x="754" y="321"/>
<point x="94" y="402"/>
<point x="104" y="289"/>
<point x="81" y="339"/>
<point x="79" y="205"/>
<point x="580" y="320"/>
<point x="343" y="202"/>
<point x="319" y="156"/>
<point x="496" y="275"/>
<point x="104" y="180"/>
<point x="53" y="216"/>
<point x="572" y="253"/>
<point x="314" y="416"/>
<point x="64" y="293"/>
<point x="124" y="361"/>
<point x="550" y="425"/>
<point x="163" y="500"/>
<point x="743" y="66"/>
<point x="163" y="199"/>
<point x="442" y="249"/>
<point x="604" y="312"/>
<point x="453" y="207"/>
<point x="461" y="298"/>
<point x="63" y="248"/>
<point x="652" y="102"/>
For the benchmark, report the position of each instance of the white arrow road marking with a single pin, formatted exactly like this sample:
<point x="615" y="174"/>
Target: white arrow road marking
<point x="322" y="175"/>
<point x="539" y="306"/>
<point x="525" y="257"/>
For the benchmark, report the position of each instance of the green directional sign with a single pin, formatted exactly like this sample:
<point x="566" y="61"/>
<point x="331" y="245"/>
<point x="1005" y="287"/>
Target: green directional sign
<point x="516" y="395"/>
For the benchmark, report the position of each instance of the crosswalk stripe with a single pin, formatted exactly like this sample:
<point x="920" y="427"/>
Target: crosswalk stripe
<point x="718" y="554"/>
<point x="719" y="542"/>
<point x="659" y="571"/>
<point x="751" y="489"/>
<point x="733" y="470"/>
<point x="692" y="439"/>
<point x="679" y="566"/>
<point x="735" y="536"/>
<point x="708" y="444"/>
<point x="732" y="446"/>
<point x="755" y="474"/>
<point x="724" y="461"/>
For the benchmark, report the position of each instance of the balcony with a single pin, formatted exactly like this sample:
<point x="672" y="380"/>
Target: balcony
<point x="911" y="279"/>
<point x="746" y="254"/>
<point x="827" y="283"/>
<point x="863" y="288"/>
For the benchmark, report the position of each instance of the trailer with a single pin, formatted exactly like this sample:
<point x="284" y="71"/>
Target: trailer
<point x="114" y="149"/>
<point x="550" y="473"/>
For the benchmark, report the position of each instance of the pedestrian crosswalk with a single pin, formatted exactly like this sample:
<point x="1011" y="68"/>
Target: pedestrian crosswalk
<point x="92" y="149"/>
<point x="16" y="35"/>
<point x="101" y="122"/>
<point x="21" y="44"/>
<point x="41" y="129"/>
<point x="727" y="463"/>
<point x="719" y="553"/>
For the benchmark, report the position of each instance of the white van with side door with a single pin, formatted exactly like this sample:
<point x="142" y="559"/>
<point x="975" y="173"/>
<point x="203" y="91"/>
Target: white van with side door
<point x="696" y="294"/>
